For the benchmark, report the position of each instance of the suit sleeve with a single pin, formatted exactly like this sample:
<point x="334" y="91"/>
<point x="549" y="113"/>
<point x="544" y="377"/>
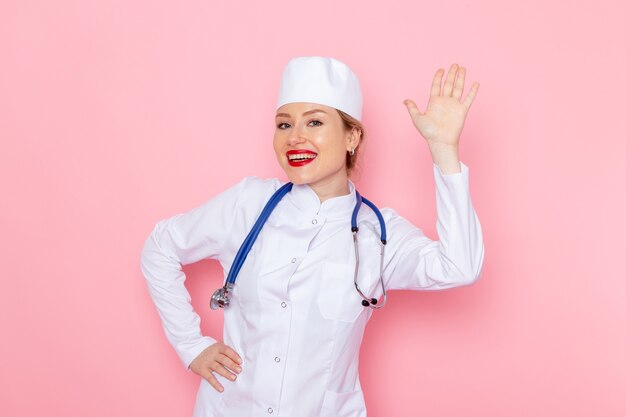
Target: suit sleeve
<point x="176" y="241"/>
<point x="456" y="259"/>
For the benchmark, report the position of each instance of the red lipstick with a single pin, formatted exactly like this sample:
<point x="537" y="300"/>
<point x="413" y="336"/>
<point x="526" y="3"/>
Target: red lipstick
<point x="299" y="157"/>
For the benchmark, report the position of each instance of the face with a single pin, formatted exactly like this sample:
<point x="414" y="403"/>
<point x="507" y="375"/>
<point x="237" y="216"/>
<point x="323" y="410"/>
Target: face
<point x="311" y="142"/>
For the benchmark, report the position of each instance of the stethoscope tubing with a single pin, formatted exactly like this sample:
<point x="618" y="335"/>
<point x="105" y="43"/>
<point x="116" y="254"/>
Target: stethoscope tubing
<point x="220" y="297"/>
<point x="367" y="301"/>
<point x="245" y="247"/>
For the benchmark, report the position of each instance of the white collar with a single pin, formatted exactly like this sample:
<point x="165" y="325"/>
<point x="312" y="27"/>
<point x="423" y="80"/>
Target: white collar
<point x="307" y="201"/>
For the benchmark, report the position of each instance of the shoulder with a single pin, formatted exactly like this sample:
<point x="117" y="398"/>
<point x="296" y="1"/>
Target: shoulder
<point x="254" y="188"/>
<point x="389" y="214"/>
<point x="252" y="192"/>
<point x="397" y="226"/>
<point x="246" y="190"/>
<point x="254" y="183"/>
<point x="368" y="216"/>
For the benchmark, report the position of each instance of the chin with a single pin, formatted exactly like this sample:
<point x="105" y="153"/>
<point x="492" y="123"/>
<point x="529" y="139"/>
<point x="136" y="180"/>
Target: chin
<point x="299" y="179"/>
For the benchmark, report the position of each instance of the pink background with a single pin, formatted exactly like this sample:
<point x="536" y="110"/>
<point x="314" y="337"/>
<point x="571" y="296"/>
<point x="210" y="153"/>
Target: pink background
<point x="116" y="114"/>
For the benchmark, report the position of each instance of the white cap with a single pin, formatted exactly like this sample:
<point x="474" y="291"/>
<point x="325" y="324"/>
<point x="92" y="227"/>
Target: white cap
<point x="322" y="80"/>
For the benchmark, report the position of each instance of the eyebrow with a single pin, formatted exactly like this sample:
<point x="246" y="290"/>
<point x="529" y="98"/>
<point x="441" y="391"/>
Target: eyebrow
<point x="304" y="114"/>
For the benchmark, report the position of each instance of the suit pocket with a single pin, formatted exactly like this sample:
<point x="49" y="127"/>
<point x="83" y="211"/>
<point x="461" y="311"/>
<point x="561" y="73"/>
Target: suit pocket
<point x="337" y="298"/>
<point x="343" y="404"/>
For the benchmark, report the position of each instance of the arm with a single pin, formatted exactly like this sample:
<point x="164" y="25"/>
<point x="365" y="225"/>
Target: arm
<point x="457" y="257"/>
<point x="179" y="240"/>
<point x="419" y="263"/>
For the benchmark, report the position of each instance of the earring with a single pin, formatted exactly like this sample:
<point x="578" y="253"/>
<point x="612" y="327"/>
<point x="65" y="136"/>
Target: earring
<point x="352" y="152"/>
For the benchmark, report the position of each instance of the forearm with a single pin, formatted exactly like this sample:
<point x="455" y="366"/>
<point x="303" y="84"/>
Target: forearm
<point x="420" y="263"/>
<point x="165" y="279"/>
<point x="445" y="157"/>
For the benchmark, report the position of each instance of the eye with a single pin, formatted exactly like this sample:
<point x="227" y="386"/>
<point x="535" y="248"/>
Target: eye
<point x="282" y="124"/>
<point x="316" y="121"/>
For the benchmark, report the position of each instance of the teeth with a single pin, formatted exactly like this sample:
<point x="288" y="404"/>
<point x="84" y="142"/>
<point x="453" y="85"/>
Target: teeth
<point x="300" y="156"/>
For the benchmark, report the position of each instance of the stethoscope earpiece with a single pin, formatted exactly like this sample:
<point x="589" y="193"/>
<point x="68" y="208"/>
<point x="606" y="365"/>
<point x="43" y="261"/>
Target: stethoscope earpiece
<point x="366" y="303"/>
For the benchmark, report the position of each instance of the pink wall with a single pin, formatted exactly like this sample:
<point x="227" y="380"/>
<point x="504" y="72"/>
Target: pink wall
<point x="116" y="114"/>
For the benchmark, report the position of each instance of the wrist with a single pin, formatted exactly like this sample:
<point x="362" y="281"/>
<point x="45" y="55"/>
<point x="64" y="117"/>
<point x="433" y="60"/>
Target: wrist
<point x="446" y="157"/>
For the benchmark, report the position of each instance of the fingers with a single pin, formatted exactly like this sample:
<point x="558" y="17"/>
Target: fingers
<point x="435" y="88"/>
<point x="228" y="351"/>
<point x="228" y="362"/>
<point x="218" y="358"/>
<point x="220" y="365"/>
<point x="470" y="95"/>
<point x="454" y="84"/>
<point x="220" y="369"/>
<point x="212" y="380"/>
<point x="414" y="111"/>
<point x="457" y="91"/>
<point x="447" y="87"/>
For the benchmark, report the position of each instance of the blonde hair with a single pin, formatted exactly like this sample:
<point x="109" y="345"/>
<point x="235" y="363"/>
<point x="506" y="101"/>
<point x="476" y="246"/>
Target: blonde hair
<point x="350" y="123"/>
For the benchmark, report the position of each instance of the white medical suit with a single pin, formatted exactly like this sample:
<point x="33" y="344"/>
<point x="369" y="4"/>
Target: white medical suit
<point x="295" y="316"/>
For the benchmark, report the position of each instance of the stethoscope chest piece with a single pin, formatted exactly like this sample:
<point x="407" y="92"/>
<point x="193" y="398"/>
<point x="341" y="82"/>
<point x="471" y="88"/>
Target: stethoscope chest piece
<point x="220" y="299"/>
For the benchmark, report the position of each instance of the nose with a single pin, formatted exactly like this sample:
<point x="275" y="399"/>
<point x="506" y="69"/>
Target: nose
<point x="296" y="136"/>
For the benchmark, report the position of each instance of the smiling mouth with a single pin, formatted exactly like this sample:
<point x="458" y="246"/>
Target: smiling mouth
<point x="299" y="158"/>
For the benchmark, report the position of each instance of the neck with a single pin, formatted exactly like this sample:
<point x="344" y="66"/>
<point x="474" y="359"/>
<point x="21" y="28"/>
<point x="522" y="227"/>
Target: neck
<point x="330" y="189"/>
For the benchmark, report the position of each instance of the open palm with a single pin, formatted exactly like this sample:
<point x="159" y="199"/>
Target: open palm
<point x="445" y="114"/>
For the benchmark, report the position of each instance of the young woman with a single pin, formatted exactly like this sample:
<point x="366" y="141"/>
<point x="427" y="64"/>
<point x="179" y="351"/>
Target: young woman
<point x="295" y="313"/>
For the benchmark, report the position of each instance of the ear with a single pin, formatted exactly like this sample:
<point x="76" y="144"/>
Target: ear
<point x="354" y="138"/>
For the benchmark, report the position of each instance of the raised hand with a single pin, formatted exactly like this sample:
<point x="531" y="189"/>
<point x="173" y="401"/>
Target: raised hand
<point x="442" y="123"/>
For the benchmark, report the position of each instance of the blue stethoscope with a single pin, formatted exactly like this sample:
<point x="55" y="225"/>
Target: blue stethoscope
<point x="220" y="299"/>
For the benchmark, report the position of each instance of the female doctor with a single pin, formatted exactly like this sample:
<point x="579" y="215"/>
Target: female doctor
<point x="296" y="308"/>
